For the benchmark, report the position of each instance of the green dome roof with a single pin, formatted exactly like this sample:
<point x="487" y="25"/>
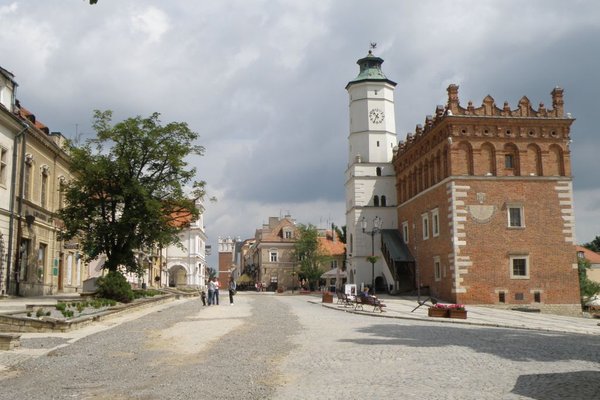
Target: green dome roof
<point x="370" y="70"/>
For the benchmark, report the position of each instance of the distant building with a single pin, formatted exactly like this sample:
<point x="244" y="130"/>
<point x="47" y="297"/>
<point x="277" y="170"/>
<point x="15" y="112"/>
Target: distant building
<point x="593" y="273"/>
<point x="185" y="265"/>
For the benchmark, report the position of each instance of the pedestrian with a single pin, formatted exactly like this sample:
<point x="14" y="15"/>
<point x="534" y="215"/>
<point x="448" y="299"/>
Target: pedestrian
<point x="211" y="291"/>
<point x="203" y="297"/>
<point x="232" y="287"/>
<point x="216" y="294"/>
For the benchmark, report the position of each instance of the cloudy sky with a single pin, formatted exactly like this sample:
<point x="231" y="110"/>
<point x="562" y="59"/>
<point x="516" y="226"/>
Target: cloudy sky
<point x="262" y="82"/>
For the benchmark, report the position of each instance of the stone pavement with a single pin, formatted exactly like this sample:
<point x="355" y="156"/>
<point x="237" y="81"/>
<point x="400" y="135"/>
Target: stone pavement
<point x="404" y="307"/>
<point x="38" y="344"/>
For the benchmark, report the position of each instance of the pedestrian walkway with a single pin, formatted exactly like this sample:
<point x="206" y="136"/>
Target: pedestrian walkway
<point x="404" y="307"/>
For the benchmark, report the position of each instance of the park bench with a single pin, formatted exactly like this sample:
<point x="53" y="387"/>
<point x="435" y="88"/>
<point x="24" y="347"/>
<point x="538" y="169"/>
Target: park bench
<point x="344" y="299"/>
<point x="368" y="301"/>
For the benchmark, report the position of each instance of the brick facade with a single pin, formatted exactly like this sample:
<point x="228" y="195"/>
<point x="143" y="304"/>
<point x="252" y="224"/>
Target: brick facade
<point x="486" y="197"/>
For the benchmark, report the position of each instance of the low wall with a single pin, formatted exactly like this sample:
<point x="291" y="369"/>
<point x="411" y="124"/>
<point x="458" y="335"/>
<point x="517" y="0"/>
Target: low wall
<point x="12" y="323"/>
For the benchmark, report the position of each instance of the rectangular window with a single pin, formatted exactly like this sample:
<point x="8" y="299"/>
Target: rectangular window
<point x="333" y="264"/>
<point x="273" y="256"/>
<point x="502" y="297"/>
<point x="509" y="161"/>
<point x="405" y="231"/>
<point x="519" y="296"/>
<point x="515" y="217"/>
<point x="435" y="222"/>
<point x="24" y="258"/>
<point x="519" y="267"/>
<point x="44" y="190"/>
<point x="41" y="261"/>
<point x="287" y="234"/>
<point x="3" y="165"/>
<point x="70" y="269"/>
<point x="437" y="268"/>
<point x="537" y="297"/>
<point x="425" y="220"/>
<point x="27" y="181"/>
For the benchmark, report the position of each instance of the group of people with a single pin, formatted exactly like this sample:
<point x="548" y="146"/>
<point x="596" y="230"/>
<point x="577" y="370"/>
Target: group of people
<point x="213" y="291"/>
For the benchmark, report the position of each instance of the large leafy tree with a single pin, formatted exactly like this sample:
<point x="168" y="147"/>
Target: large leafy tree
<point x="128" y="191"/>
<point x="594" y="245"/>
<point x="307" y="249"/>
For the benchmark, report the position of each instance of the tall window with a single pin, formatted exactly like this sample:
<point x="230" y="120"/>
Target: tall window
<point x="273" y="255"/>
<point x="405" y="231"/>
<point x="425" y="224"/>
<point x="435" y="222"/>
<point x="509" y="161"/>
<point x="383" y="201"/>
<point x="3" y="165"/>
<point x="44" y="189"/>
<point x="334" y="264"/>
<point x="515" y="216"/>
<point x="27" y="180"/>
<point x="376" y="201"/>
<point x="519" y="267"/>
<point x="437" y="268"/>
<point x="41" y="261"/>
<point x="378" y="171"/>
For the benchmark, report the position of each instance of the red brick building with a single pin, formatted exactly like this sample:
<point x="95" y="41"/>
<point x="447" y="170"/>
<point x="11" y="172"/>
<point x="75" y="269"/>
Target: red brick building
<point x="486" y="204"/>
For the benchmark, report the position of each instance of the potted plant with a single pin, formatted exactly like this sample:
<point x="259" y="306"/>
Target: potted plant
<point x="457" y="311"/>
<point x="438" y="311"/>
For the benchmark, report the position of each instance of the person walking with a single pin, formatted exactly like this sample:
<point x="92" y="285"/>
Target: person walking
<point x="216" y="294"/>
<point x="211" y="291"/>
<point x="232" y="287"/>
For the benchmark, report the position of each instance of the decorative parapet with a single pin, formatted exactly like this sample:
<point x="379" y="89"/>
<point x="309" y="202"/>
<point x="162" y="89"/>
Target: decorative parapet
<point x="488" y="108"/>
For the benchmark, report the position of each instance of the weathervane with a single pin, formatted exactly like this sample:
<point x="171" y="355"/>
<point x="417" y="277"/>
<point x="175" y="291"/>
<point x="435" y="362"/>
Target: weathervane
<point x="373" y="45"/>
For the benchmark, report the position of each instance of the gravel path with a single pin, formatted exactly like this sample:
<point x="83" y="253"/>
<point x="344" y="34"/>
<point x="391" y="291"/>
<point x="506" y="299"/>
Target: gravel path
<point x="287" y="348"/>
<point x="183" y="352"/>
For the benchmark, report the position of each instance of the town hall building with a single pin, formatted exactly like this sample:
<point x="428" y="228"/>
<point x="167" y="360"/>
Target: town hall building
<point x="482" y="204"/>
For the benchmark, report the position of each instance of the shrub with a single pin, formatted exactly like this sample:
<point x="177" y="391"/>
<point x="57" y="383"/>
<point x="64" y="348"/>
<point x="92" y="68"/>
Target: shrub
<point x="61" y="306"/>
<point x="40" y="312"/>
<point x="114" y="286"/>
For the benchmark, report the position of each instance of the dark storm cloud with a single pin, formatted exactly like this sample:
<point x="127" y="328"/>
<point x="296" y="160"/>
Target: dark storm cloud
<point x="263" y="81"/>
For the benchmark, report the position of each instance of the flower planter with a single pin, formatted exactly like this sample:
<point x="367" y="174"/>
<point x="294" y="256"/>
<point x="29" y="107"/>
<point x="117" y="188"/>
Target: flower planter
<point x="461" y="314"/>
<point x="437" y="312"/>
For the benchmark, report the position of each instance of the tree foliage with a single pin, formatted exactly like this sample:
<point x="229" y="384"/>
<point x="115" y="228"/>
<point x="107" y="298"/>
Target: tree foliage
<point x="128" y="191"/>
<point x="308" y="251"/>
<point x="594" y="245"/>
<point x="587" y="287"/>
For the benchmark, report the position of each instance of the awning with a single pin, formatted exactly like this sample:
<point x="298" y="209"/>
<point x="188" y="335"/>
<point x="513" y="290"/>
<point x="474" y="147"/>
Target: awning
<point x="334" y="273"/>
<point x="396" y="248"/>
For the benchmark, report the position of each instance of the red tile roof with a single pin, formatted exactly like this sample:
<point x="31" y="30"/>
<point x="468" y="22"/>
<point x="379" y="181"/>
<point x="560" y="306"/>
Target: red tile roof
<point x="591" y="256"/>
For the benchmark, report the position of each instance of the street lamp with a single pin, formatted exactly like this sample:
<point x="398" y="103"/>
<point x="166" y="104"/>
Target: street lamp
<point x="377" y="222"/>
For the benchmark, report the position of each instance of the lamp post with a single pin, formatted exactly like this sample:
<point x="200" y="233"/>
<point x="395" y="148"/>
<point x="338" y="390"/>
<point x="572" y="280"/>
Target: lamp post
<point x="376" y="228"/>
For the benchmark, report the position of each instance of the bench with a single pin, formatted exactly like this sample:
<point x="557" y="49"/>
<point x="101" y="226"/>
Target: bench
<point x="368" y="301"/>
<point x="344" y="299"/>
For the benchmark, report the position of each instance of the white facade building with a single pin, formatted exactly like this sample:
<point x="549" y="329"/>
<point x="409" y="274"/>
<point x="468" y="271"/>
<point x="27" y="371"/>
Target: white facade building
<point x="186" y="264"/>
<point x="370" y="178"/>
<point x="9" y="129"/>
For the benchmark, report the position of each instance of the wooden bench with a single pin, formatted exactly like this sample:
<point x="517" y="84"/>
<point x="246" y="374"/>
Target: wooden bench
<point x="368" y="301"/>
<point x="344" y="299"/>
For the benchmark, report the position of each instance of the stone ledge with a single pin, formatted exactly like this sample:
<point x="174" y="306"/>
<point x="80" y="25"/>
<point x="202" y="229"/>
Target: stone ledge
<point x="9" y="341"/>
<point x="11" y="323"/>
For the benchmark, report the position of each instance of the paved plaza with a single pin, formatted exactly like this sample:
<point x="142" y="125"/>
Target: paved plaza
<point x="295" y="347"/>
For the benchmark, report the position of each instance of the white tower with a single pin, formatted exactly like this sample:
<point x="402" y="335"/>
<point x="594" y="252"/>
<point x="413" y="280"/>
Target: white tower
<point x="370" y="179"/>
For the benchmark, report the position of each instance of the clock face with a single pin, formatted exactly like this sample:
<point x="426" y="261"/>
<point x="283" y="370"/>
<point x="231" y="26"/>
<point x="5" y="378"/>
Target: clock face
<point x="376" y="116"/>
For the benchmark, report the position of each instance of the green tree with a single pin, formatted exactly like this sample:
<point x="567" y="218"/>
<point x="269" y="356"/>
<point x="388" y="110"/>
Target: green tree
<point x="588" y="288"/>
<point x="308" y="251"/>
<point x="341" y="232"/>
<point x="212" y="273"/>
<point x="128" y="190"/>
<point x="594" y="245"/>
